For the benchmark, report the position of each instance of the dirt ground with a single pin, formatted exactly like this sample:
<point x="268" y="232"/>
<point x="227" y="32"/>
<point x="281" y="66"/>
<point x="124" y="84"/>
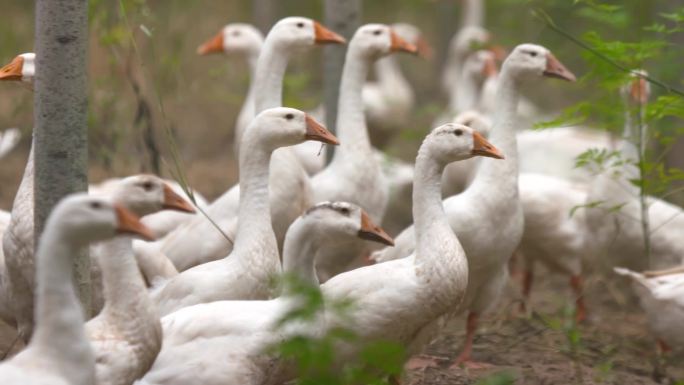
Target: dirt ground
<point x="613" y="345"/>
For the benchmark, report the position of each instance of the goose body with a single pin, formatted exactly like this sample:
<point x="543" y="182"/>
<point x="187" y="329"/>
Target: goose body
<point x="230" y="337"/>
<point x="490" y="208"/>
<point x="245" y="273"/>
<point x="354" y="175"/>
<point x="198" y="241"/>
<point x="9" y="139"/>
<point x="59" y="352"/>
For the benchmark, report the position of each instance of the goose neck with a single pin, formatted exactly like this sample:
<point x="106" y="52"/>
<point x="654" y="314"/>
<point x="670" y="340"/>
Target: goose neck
<point x="351" y="122"/>
<point x="469" y="94"/>
<point x="254" y="215"/>
<point x="123" y="286"/>
<point x="428" y="211"/>
<point x="299" y="252"/>
<point x="473" y="14"/>
<point x="389" y="74"/>
<point x="502" y="173"/>
<point x="269" y="75"/>
<point x="59" y="320"/>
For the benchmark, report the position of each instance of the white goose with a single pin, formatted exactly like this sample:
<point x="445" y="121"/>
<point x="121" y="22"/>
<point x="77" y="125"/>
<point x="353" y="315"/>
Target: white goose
<point x="143" y="195"/>
<point x="245" y="272"/>
<point x="244" y="41"/>
<point x="198" y="241"/>
<point x="400" y="300"/>
<point x="230" y="337"/>
<point x="126" y="336"/>
<point x="17" y="241"/>
<point x="490" y="208"/>
<point x="59" y="352"/>
<point x="354" y="175"/>
<point x="661" y="295"/>
<point x="615" y="237"/>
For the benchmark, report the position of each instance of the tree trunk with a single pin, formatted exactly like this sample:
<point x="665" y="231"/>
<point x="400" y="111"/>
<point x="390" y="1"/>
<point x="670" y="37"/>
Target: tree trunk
<point x="264" y="14"/>
<point x="343" y="17"/>
<point x="60" y="112"/>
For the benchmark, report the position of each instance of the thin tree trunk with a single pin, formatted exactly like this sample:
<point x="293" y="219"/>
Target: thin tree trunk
<point x="343" y="17"/>
<point x="60" y="112"/>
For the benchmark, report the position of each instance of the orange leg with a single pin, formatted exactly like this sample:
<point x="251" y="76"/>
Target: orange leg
<point x="580" y="307"/>
<point x="527" y="280"/>
<point x="663" y="347"/>
<point x="465" y="359"/>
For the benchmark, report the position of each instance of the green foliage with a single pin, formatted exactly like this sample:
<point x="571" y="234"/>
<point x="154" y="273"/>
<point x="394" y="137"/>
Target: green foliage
<point x="500" y="378"/>
<point x="316" y="355"/>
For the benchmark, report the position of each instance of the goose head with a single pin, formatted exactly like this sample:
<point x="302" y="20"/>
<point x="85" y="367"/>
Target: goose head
<point x="147" y="194"/>
<point x="535" y="60"/>
<point x="480" y="65"/>
<point x="377" y="40"/>
<point x="299" y="33"/>
<point x="21" y="68"/>
<point x="475" y="120"/>
<point x="334" y="222"/>
<point x="282" y="126"/>
<point x="468" y="39"/>
<point x="234" y="39"/>
<point x="84" y="219"/>
<point x="638" y="90"/>
<point x="453" y="142"/>
<point x="413" y="35"/>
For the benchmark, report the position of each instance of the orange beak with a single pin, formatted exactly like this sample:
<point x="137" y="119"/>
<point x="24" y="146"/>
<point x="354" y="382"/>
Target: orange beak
<point x="481" y="147"/>
<point x="556" y="69"/>
<point x="489" y="69"/>
<point x="424" y="49"/>
<point x="316" y="131"/>
<point x="128" y="223"/>
<point x="12" y="71"/>
<point x="399" y="44"/>
<point x="639" y="90"/>
<point x="370" y="232"/>
<point x="173" y="201"/>
<point x="326" y="36"/>
<point x="213" y="45"/>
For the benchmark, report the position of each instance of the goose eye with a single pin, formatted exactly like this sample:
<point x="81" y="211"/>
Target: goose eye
<point x="458" y="132"/>
<point x="289" y="116"/>
<point x="147" y="186"/>
<point x="236" y="33"/>
<point x="533" y="54"/>
<point x="95" y="205"/>
<point x="377" y="32"/>
<point x="344" y="211"/>
<point x="300" y="25"/>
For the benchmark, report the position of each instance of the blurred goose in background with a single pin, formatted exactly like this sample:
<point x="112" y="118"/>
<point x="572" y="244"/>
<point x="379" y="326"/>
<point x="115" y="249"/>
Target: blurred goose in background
<point x="402" y="300"/>
<point x="615" y="236"/>
<point x="198" y="240"/>
<point x="59" y="352"/>
<point x="126" y="335"/>
<point x="490" y="208"/>
<point x="243" y="41"/>
<point x="245" y="273"/>
<point x="354" y="175"/>
<point x="17" y="241"/>
<point x="661" y="295"/>
<point x="231" y="338"/>
<point x="8" y="140"/>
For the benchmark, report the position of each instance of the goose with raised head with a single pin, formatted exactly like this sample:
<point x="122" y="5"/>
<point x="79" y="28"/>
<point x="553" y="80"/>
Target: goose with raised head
<point x="401" y="300"/>
<point x="126" y="335"/>
<point x="459" y="47"/>
<point x="490" y="208"/>
<point x="245" y="272"/>
<point x="354" y="175"/>
<point x="17" y="241"/>
<point x="59" y="351"/>
<point x="198" y="241"/>
<point x="231" y="338"/>
<point x="661" y="295"/>
<point x="616" y="236"/>
<point x="243" y="41"/>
